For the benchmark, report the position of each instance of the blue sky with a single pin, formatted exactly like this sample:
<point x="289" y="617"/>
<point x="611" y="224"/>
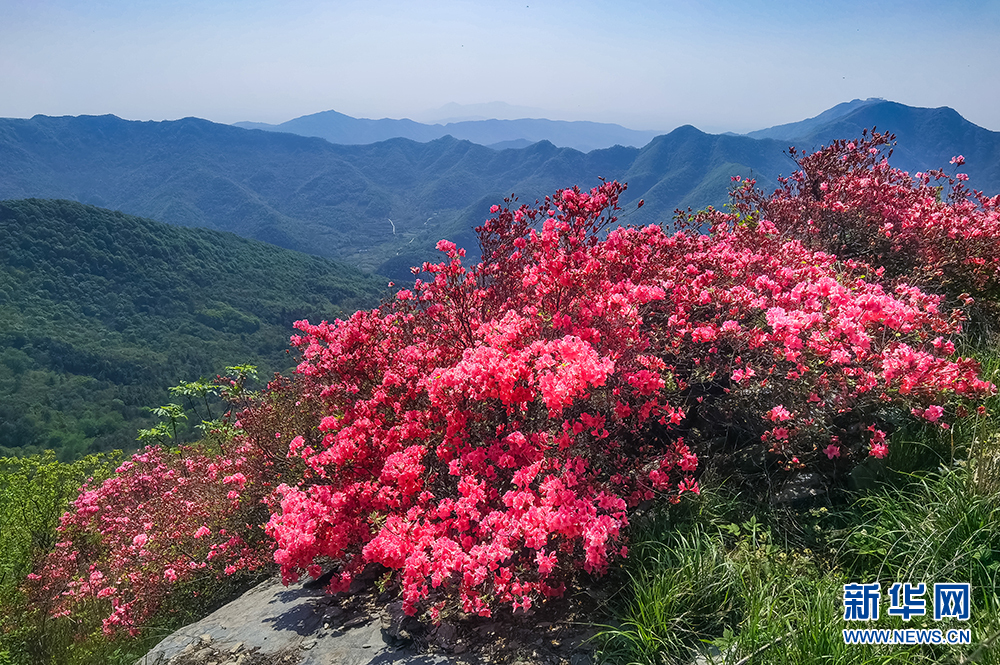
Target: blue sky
<point x="720" y="65"/>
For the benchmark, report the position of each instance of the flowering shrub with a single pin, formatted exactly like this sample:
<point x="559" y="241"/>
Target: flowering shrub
<point x="169" y="516"/>
<point x="130" y="538"/>
<point x="848" y="201"/>
<point x="486" y="432"/>
<point x="482" y="428"/>
<point x="796" y="348"/>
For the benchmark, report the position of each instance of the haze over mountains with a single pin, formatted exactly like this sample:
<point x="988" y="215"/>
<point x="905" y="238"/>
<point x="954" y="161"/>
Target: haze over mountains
<point x="453" y="112"/>
<point x="580" y="135"/>
<point x="383" y="206"/>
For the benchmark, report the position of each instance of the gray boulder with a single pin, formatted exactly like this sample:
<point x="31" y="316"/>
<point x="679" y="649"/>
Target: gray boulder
<point x="273" y="623"/>
<point x="302" y="624"/>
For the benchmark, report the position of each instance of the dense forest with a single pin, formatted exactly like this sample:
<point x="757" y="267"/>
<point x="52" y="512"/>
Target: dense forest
<point x="100" y="312"/>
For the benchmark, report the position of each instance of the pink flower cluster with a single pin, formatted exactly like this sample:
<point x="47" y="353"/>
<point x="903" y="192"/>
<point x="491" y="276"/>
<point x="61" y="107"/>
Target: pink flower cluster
<point x="127" y="540"/>
<point x="848" y="200"/>
<point x="475" y="420"/>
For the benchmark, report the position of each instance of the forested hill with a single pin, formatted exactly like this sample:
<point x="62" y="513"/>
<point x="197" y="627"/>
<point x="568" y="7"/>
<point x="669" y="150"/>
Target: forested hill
<point x="100" y="312"/>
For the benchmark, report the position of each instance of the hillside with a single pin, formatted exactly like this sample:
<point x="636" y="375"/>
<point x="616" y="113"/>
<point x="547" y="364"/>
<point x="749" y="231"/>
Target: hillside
<point x="100" y="312"/>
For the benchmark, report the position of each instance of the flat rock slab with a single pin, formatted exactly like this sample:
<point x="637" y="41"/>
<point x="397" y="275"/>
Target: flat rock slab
<point x="303" y="625"/>
<point x="273" y="623"/>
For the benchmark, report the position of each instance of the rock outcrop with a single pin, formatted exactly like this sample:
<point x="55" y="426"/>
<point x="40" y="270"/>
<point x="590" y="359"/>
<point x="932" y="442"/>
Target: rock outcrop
<point x="297" y="625"/>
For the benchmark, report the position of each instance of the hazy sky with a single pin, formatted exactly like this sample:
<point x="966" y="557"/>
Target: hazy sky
<point x="718" y="64"/>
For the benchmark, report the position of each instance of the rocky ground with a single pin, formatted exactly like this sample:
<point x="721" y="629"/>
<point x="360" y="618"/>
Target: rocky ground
<point x="273" y="625"/>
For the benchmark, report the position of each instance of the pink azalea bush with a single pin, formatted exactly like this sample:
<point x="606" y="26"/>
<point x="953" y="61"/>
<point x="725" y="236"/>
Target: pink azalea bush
<point x="141" y="531"/>
<point x="847" y="200"/>
<point x="483" y="428"/>
<point x="486" y="433"/>
<point x="489" y="429"/>
<point x="168" y="517"/>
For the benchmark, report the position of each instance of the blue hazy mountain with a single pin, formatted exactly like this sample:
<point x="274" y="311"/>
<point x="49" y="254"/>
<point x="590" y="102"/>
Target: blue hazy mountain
<point x="926" y="138"/>
<point x="343" y="129"/>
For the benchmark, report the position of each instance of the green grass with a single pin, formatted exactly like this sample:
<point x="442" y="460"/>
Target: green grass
<point x="733" y="583"/>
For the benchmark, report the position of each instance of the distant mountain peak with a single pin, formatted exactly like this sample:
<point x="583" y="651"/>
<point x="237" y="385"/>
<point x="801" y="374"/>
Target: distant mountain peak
<point x="795" y="130"/>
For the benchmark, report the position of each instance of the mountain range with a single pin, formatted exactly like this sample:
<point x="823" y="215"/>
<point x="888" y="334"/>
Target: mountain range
<point x="383" y="206"/>
<point x="581" y="135"/>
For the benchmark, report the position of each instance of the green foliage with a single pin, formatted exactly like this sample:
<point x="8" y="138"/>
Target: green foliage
<point x="34" y="492"/>
<point x="170" y="416"/>
<point x="100" y="312"/>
